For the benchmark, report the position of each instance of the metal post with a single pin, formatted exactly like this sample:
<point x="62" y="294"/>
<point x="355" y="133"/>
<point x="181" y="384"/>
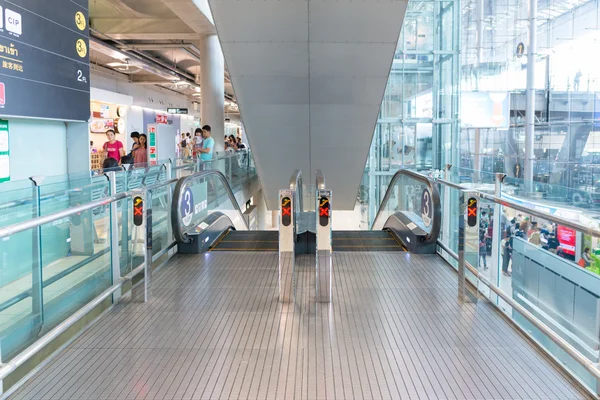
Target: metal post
<point x="286" y="245"/>
<point x="497" y="235"/>
<point x="446" y="208"/>
<point x="169" y="169"/>
<point x="463" y="232"/>
<point x="115" y="261"/>
<point x="146" y="231"/>
<point x="324" y="247"/>
<point x="37" y="287"/>
<point x="530" y="112"/>
<point x="480" y="32"/>
<point x="477" y="160"/>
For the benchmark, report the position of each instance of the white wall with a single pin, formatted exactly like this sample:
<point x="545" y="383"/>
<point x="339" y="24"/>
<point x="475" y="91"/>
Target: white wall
<point x="37" y="147"/>
<point x="144" y="96"/>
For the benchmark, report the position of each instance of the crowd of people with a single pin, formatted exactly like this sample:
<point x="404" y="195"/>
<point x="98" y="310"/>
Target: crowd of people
<point x="201" y="145"/>
<point x="519" y="227"/>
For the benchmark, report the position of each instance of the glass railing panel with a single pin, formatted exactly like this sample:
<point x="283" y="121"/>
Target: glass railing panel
<point x="42" y="289"/>
<point x="550" y="270"/>
<point x="161" y="237"/>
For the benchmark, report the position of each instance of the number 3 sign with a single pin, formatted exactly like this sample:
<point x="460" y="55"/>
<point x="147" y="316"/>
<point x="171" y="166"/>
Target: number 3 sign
<point x="426" y="208"/>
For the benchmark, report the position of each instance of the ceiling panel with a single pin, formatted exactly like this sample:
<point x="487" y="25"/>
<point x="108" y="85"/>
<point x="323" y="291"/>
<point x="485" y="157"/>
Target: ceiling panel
<point x="309" y="101"/>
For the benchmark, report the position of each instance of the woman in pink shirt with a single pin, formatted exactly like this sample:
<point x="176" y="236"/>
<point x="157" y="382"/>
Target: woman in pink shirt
<point x="140" y="155"/>
<point x="113" y="148"/>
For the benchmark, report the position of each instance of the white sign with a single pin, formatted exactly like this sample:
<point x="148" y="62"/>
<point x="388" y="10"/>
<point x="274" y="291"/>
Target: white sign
<point x="412" y="226"/>
<point x="13" y="22"/>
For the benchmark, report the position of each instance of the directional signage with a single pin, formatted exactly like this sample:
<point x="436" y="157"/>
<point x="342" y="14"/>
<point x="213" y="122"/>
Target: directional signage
<point x="44" y="59"/>
<point x="324" y="211"/>
<point x="177" y="110"/>
<point x="472" y="212"/>
<point x="138" y="211"/>
<point x="286" y="211"/>
<point x="426" y="208"/>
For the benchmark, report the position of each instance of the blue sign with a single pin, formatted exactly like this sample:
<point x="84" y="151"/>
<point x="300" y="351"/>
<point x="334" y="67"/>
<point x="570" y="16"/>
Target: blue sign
<point x="186" y="207"/>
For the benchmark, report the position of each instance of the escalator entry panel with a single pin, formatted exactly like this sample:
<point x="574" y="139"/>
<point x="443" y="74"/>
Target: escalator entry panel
<point x="365" y="241"/>
<point x="248" y="241"/>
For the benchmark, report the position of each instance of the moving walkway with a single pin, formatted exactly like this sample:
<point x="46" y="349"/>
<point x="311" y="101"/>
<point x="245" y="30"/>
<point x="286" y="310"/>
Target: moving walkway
<point x="221" y="320"/>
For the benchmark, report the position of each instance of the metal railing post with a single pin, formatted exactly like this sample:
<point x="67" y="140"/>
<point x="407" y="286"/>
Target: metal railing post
<point x="115" y="260"/>
<point x="37" y="287"/>
<point x="169" y="168"/>
<point x="286" y="245"/>
<point x="463" y="234"/>
<point x="324" y="246"/>
<point x="146" y="231"/>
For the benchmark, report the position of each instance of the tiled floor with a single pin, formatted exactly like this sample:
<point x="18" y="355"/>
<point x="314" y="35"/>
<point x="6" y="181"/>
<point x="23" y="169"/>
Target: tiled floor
<point x="214" y="329"/>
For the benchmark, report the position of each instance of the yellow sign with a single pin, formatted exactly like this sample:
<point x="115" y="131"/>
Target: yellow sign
<point x="81" y="48"/>
<point x="80" y="20"/>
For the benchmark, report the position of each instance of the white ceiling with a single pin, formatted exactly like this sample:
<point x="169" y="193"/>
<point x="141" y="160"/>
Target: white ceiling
<point x="309" y="77"/>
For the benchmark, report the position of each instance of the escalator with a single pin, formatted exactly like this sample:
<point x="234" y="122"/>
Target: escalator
<point x="234" y="240"/>
<point x="366" y="241"/>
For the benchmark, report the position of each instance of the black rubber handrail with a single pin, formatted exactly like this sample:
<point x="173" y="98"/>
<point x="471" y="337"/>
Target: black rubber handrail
<point x="180" y="234"/>
<point x="435" y="198"/>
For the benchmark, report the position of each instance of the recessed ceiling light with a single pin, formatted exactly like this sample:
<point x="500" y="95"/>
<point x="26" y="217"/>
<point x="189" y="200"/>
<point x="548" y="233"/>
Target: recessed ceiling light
<point x="196" y="94"/>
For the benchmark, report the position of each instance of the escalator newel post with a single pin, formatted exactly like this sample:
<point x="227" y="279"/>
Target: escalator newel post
<point x="468" y="240"/>
<point x="286" y="245"/>
<point x="324" y="246"/>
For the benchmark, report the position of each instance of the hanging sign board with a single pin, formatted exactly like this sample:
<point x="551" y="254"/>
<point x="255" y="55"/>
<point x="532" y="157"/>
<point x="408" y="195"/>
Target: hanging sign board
<point x="44" y="59"/>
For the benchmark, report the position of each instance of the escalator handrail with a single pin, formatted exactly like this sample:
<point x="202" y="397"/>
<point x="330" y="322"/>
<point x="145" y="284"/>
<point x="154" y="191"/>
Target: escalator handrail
<point x="435" y="194"/>
<point x="182" y="237"/>
<point x="296" y="186"/>
<point x="320" y="180"/>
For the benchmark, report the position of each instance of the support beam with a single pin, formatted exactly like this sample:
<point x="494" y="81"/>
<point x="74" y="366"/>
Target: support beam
<point x="530" y="112"/>
<point x="213" y="88"/>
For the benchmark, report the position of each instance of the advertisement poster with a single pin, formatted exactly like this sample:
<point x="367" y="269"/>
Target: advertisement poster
<point x="485" y="110"/>
<point x="567" y="238"/>
<point x="4" y="152"/>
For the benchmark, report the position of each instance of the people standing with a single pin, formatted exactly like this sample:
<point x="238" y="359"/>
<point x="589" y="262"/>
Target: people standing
<point x="506" y="254"/>
<point x="483" y="250"/>
<point x="197" y="142"/>
<point x="208" y="144"/>
<point x="186" y="143"/>
<point x="113" y="148"/>
<point x="140" y="155"/>
<point x="553" y="243"/>
<point x="135" y="136"/>
<point x="587" y="258"/>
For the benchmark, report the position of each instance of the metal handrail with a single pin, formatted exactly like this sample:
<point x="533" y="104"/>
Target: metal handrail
<point x="563" y="344"/>
<point x="296" y="185"/>
<point x="320" y="180"/>
<point x="175" y="209"/>
<point x="537" y="213"/>
<point x="435" y="198"/>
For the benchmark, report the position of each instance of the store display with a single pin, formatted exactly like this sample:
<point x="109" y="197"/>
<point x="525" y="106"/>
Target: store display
<point x="101" y="125"/>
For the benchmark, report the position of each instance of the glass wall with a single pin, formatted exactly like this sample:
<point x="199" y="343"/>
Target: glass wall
<point x="494" y="48"/>
<point x="418" y="121"/>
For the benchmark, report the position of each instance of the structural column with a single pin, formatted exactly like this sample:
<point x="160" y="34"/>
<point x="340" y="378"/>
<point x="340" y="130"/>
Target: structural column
<point x="530" y="113"/>
<point x="213" y="88"/>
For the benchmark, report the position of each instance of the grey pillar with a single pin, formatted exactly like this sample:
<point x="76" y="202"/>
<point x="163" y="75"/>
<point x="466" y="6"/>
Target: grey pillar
<point x="530" y="112"/>
<point x="212" y="67"/>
